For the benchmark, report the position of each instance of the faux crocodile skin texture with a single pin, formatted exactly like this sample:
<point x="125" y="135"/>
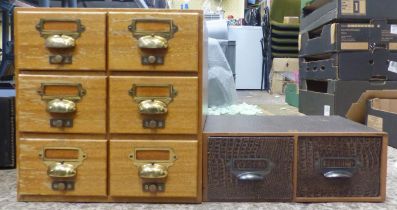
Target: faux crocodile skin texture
<point x="360" y="155"/>
<point x="271" y="155"/>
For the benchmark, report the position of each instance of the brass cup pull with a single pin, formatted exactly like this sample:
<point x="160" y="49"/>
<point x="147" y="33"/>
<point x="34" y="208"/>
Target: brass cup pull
<point x="61" y="106"/>
<point x="152" y="107"/>
<point x="153" y="171"/>
<point x="60" y="42"/>
<point x="152" y="42"/>
<point x="61" y="170"/>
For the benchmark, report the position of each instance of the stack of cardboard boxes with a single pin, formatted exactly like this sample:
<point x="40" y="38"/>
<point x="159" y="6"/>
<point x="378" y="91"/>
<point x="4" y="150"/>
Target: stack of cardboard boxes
<point x="347" y="47"/>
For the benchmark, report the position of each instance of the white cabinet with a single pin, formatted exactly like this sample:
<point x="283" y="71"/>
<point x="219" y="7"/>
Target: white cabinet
<point x="248" y="56"/>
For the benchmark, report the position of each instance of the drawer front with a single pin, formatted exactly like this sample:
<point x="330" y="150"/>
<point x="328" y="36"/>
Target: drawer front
<point x="147" y="41"/>
<point x="62" y="167"/>
<point x="339" y="166"/>
<point x="163" y="105"/>
<point x="60" y="40"/>
<point x="249" y="169"/>
<point x="153" y="168"/>
<point x="61" y="104"/>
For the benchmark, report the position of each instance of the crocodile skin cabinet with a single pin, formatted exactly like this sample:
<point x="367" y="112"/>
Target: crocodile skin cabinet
<point x="109" y="104"/>
<point x="295" y="158"/>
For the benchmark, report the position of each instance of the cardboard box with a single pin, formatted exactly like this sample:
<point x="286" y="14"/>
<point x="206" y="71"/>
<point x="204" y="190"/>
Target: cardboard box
<point x="285" y="64"/>
<point x="380" y="64"/>
<point x="382" y="116"/>
<point x="320" y="12"/>
<point x="340" y="37"/>
<point x="336" y="97"/>
<point x="278" y="83"/>
<point x="291" y="20"/>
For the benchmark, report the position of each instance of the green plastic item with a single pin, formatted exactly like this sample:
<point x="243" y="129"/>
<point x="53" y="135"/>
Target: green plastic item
<point x="282" y="8"/>
<point x="305" y="2"/>
<point x="292" y="95"/>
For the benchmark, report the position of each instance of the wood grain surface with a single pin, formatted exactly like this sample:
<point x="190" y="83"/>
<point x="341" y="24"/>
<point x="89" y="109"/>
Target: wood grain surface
<point x="32" y="115"/>
<point x="181" y="181"/>
<point x="91" y="174"/>
<point x="182" y="53"/>
<point x="89" y="53"/>
<point x="182" y="117"/>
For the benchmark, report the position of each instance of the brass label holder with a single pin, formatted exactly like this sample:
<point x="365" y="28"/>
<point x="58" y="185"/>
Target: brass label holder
<point x="153" y="108"/>
<point x="153" y="172"/>
<point x="62" y="171"/>
<point x="61" y="107"/>
<point x="60" y="42"/>
<point x="153" y="44"/>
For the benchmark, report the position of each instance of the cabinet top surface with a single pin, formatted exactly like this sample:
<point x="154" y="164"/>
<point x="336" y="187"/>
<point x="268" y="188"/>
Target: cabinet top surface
<point x="281" y="124"/>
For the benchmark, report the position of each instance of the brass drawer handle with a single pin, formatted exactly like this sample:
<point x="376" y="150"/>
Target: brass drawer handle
<point x="338" y="167"/>
<point x="153" y="171"/>
<point x="61" y="170"/>
<point x="149" y="40"/>
<point x="60" y="42"/>
<point x="142" y="33"/>
<point x="153" y="104"/>
<point x="152" y="107"/>
<point x="60" y="39"/>
<point x="61" y="104"/>
<point x="251" y="174"/>
<point x="153" y="164"/>
<point x="62" y="164"/>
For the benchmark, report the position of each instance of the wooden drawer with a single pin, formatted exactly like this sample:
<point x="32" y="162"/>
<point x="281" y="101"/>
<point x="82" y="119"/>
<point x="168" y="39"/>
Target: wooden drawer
<point x="130" y="159"/>
<point x="249" y="169"/>
<point x="339" y="167"/>
<point x="60" y="40"/>
<point x="149" y="105"/>
<point x="61" y="104"/>
<point x="83" y="172"/>
<point x="174" y="46"/>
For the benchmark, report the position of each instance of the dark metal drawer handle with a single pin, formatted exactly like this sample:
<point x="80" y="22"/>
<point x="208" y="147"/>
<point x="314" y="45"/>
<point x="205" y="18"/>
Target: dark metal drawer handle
<point x="338" y="167"/>
<point x="338" y="173"/>
<point x="251" y="174"/>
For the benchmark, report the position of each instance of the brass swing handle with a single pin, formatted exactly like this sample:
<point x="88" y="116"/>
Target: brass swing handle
<point x="148" y="39"/>
<point x="58" y="38"/>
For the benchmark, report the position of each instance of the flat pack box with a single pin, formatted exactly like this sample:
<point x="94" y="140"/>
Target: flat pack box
<point x="335" y="97"/>
<point x="341" y="37"/>
<point x="292" y="158"/>
<point x="382" y="116"/>
<point x="350" y="66"/>
<point x="320" y="12"/>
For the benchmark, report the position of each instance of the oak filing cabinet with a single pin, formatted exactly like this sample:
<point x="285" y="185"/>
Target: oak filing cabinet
<point x="109" y="104"/>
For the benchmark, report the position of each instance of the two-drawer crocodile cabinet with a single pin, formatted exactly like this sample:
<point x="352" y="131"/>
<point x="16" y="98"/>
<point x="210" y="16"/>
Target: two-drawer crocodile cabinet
<point x="292" y="158"/>
<point x="109" y="104"/>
